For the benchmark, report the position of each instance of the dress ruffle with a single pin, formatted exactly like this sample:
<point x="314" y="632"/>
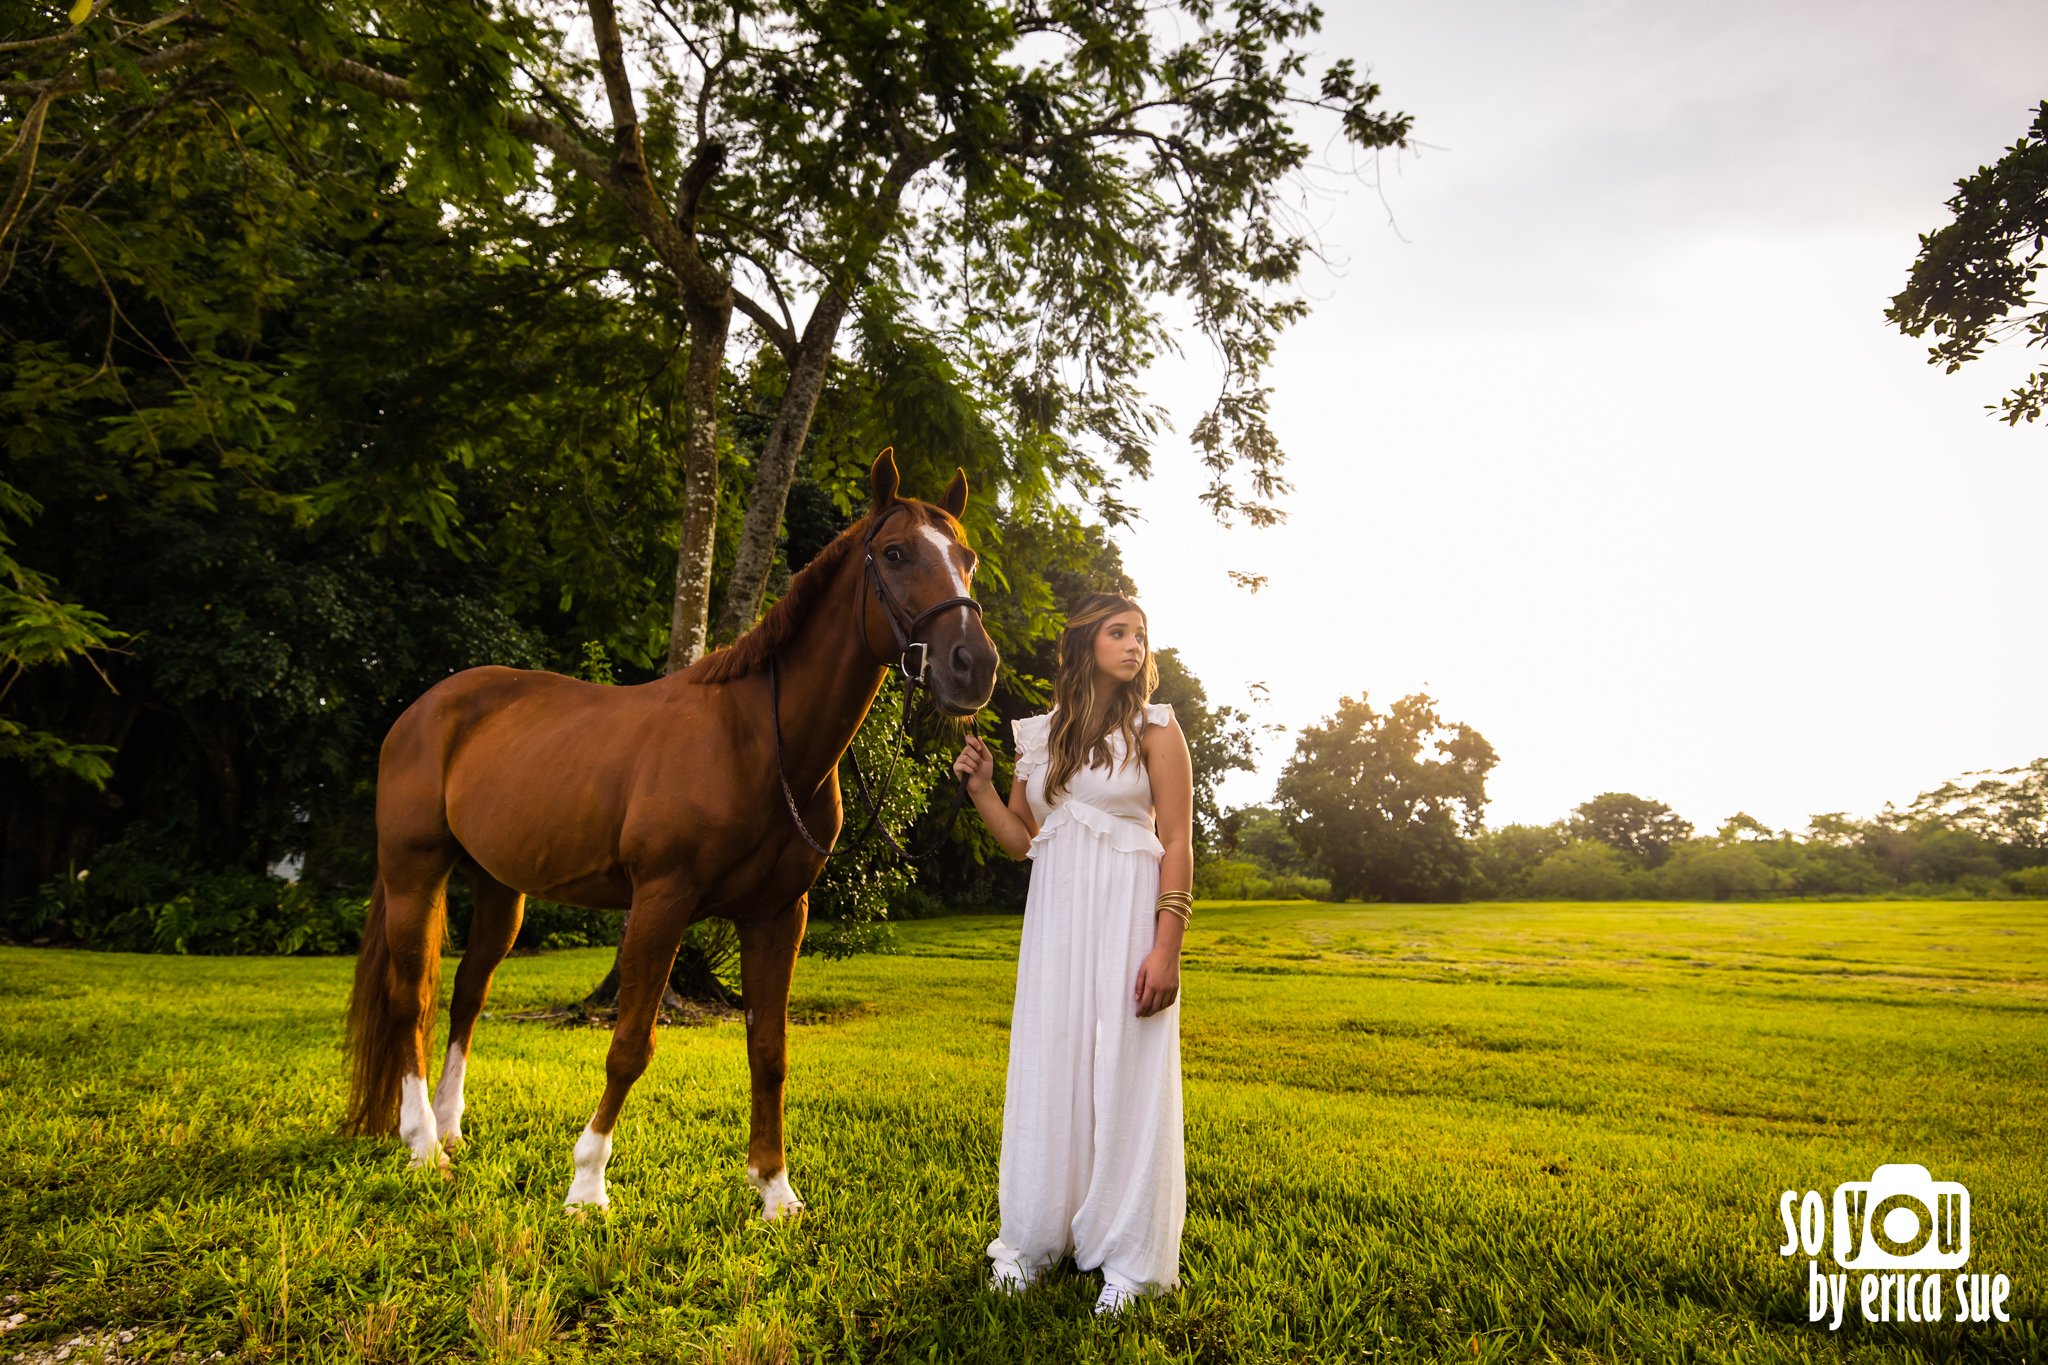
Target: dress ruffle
<point x="1032" y="733"/>
<point x="1127" y="835"/>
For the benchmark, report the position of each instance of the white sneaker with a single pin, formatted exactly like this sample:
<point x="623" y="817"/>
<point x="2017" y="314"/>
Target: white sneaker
<point x="1113" y="1298"/>
<point x="1008" y="1279"/>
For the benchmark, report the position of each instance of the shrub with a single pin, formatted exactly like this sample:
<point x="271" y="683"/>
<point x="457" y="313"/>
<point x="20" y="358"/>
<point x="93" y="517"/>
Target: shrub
<point x="1703" y="870"/>
<point x="1583" y="870"/>
<point x="914" y="902"/>
<point x="1230" y="879"/>
<point x="2029" y="881"/>
<point x="228" y="913"/>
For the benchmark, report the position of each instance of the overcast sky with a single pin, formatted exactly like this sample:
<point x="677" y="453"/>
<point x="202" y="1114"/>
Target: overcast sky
<point x="1604" y="441"/>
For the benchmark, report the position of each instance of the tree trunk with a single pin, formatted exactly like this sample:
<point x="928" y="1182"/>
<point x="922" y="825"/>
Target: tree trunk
<point x="690" y="615"/>
<point x="776" y="469"/>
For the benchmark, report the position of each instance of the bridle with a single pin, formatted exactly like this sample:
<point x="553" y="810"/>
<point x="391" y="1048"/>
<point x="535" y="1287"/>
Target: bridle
<point x="904" y="630"/>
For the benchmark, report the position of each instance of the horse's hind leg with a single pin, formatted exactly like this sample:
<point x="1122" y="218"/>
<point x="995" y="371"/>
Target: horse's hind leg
<point x="492" y="928"/>
<point x="416" y="915"/>
<point x="397" y="986"/>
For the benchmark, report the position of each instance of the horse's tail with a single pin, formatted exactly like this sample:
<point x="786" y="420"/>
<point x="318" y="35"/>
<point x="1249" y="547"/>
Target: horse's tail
<point x="379" y="1039"/>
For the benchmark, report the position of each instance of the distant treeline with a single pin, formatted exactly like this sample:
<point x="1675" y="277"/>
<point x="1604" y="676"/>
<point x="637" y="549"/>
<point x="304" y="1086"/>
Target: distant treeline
<point x="1386" y="806"/>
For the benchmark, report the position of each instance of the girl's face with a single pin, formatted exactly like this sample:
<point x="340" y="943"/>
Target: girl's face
<point x="1121" y="646"/>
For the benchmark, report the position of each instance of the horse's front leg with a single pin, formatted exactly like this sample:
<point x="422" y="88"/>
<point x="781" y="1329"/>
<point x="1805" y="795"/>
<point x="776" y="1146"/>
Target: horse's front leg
<point x="654" y="932"/>
<point x="768" y="949"/>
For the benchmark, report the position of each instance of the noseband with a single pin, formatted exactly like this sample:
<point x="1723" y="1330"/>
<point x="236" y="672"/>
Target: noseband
<point x="905" y="628"/>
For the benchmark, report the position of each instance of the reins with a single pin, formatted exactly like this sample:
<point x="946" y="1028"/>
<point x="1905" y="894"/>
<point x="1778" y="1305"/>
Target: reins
<point x="903" y="631"/>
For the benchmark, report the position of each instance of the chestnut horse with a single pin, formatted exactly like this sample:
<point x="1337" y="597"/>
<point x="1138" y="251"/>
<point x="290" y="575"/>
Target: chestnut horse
<point x="663" y="799"/>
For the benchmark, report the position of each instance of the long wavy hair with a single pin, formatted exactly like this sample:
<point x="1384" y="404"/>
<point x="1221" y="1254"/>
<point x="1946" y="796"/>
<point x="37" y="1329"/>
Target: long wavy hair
<point x="1085" y="709"/>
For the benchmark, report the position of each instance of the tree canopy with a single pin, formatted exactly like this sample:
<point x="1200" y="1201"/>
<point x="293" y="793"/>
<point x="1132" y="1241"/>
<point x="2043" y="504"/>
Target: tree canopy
<point x="1639" y="829"/>
<point x="345" y="345"/>
<point x="1973" y="281"/>
<point x="1029" y="187"/>
<point x="1386" y="799"/>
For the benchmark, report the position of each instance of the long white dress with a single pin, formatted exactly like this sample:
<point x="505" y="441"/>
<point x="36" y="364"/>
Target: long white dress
<point x="1093" y="1158"/>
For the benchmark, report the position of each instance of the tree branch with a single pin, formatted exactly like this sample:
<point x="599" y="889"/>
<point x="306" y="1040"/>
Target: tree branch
<point x="179" y="55"/>
<point x="780" y="331"/>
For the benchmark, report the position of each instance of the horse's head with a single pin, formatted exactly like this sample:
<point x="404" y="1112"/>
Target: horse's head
<point x="925" y="570"/>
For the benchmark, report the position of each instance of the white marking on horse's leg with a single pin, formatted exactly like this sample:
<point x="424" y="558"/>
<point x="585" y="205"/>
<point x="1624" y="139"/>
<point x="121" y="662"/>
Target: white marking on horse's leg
<point x="593" y="1152"/>
<point x="448" y="1099"/>
<point x="416" y="1124"/>
<point x="777" y="1198"/>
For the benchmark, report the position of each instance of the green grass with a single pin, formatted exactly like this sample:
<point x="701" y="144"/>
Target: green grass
<point x="1473" y="1132"/>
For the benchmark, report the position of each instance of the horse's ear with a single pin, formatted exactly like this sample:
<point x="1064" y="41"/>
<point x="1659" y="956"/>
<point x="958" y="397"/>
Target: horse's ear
<point x="882" y="477"/>
<point x="955" y="501"/>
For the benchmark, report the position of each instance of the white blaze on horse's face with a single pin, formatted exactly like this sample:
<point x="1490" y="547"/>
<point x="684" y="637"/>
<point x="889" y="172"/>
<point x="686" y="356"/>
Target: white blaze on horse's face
<point x="777" y="1198"/>
<point x="416" y="1124"/>
<point x="448" y="1099"/>
<point x="942" y="546"/>
<point x="593" y="1153"/>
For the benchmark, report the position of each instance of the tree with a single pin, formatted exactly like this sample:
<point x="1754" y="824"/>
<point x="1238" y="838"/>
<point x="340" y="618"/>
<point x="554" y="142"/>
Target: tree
<point x="1973" y="281"/>
<point x="2006" y="807"/>
<point x="294" y="525"/>
<point x="1744" y="828"/>
<point x="1030" y="185"/>
<point x="1381" y="799"/>
<point x="1634" y="826"/>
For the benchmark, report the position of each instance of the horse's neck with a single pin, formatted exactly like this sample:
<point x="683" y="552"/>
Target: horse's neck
<point x="828" y="681"/>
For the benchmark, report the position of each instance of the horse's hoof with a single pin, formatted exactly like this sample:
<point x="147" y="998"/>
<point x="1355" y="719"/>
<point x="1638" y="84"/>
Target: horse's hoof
<point x="436" y="1160"/>
<point x="584" y="1211"/>
<point x="452" y="1141"/>
<point x="778" y="1200"/>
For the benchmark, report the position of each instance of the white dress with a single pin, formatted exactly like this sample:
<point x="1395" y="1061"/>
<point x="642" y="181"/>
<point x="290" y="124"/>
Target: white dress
<point x="1092" y="1157"/>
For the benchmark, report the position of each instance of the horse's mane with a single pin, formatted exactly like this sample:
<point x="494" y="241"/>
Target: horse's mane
<point x="780" y="622"/>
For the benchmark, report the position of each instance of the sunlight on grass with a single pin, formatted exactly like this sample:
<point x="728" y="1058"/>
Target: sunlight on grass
<point x="1481" y="1131"/>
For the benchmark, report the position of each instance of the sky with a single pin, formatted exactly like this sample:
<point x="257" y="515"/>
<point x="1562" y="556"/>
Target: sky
<point x="1598" y="434"/>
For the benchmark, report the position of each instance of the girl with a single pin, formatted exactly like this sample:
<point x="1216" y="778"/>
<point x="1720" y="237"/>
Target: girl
<point x="1092" y="1159"/>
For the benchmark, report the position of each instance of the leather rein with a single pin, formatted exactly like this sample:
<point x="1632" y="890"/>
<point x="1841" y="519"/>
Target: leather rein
<point x="904" y="629"/>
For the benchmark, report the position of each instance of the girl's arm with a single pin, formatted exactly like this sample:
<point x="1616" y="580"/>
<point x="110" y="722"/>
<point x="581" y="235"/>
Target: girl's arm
<point x="1011" y="822"/>
<point x="1173" y="806"/>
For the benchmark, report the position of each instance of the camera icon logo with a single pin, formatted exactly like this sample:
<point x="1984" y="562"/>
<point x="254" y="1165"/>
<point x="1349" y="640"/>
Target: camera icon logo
<point x="1902" y="1218"/>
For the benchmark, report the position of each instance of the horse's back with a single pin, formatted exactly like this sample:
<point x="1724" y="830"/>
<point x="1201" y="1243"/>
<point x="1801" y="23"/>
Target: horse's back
<point x="532" y="773"/>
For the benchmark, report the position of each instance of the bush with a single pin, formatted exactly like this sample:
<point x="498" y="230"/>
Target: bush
<point x="1231" y="879"/>
<point x="133" y="901"/>
<point x="228" y="913"/>
<point x="547" y="925"/>
<point x="1583" y="870"/>
<point x="914" y="902"/>
<point x="2029" y="881"/>
<point x="1702" y="870"/>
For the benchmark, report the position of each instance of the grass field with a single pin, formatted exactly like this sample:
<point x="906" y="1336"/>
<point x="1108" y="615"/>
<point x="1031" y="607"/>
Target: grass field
<point x="1467" y="1132"/>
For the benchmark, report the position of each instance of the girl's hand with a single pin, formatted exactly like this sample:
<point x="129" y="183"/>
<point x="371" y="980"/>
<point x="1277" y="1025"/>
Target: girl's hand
<point x="1158" y="982"/>
<point x="977" y="764"/>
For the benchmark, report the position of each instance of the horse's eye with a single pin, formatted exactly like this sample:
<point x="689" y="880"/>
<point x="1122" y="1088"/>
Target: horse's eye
<point x="893" y="555"/>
